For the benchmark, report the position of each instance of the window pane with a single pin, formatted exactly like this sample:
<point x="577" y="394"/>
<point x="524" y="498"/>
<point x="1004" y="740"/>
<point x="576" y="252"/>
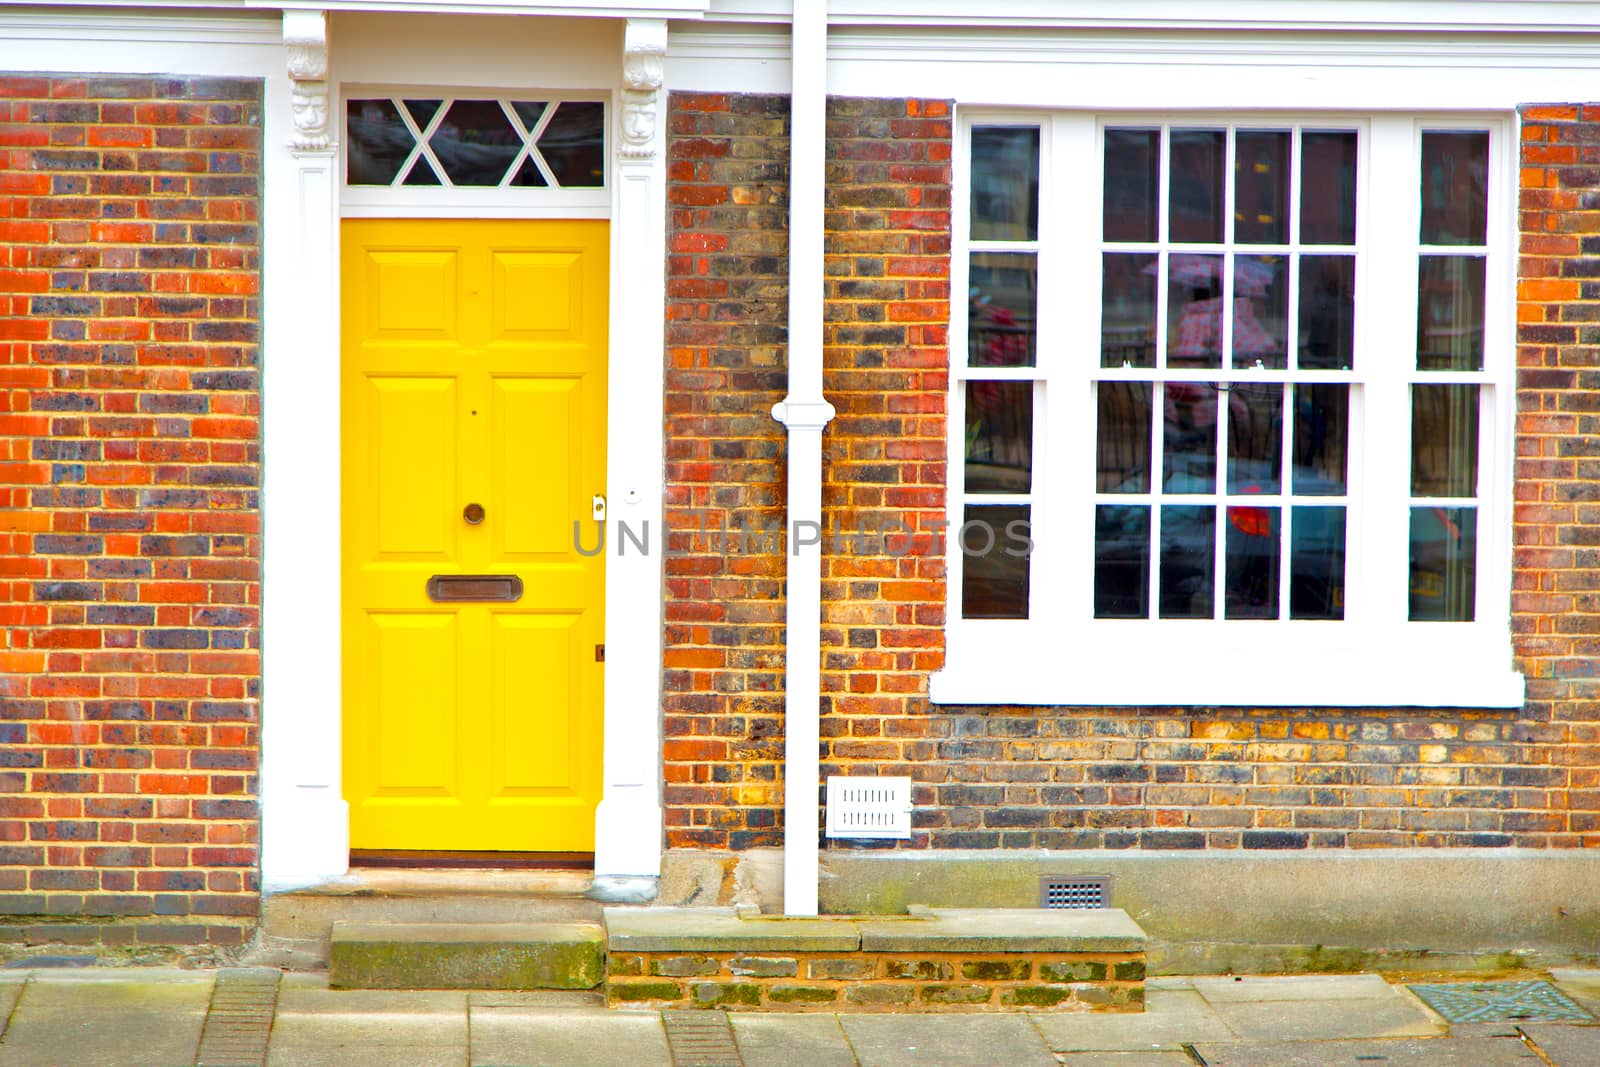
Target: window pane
<point x="1132" y="184"/>
<point x="1444" y="553"/>
<point x="1328" y="187"/>
<point x="475" y="142"/>
<point x="1455" y="202"/>
<point x="529" y="112"/>
<point x="1122" y="449"/>
<point x="1121" y="562"/>
<point x="1250" y="589"/>
<point x="1450" y="313"/>
<point x="1444" y="440"/>
<point x="1327" y="312"/>
<point x="1188" y="561"/>
<point x="999" y="437"/>
<point x="378" y="139"/>
<point x="1189" y="464"/>
<point x="1261" y="311"/>
<point x="1002" y="288"/>
<point x="1194" y="311"/>
<point x="1255" y="438"/>
<point x="1128" y="309"/>
<point x="574" y="144"/>
<point x="1321" y="439"/>
<point x="1195" y="205"/>
<point x="994" y="571"/>
<point x="1005" y="183"/>
<point x="529" y="176"/>
<point x="422" y="111"/>
<point x="1261" y="187"/>
<point x="422" y="173"/>
<point x="1316" y="563"/>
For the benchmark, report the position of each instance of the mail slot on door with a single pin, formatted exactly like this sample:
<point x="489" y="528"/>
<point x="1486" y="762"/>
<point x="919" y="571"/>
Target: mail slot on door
<point x="499" y="588"/>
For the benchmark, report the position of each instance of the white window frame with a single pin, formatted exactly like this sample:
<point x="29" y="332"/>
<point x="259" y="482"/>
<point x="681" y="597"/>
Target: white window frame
<point x="1375" y="657"/>
<point x="461" y="201"/>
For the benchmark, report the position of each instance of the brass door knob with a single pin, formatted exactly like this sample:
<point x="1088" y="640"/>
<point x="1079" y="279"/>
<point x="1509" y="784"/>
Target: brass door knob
<point x="473" y="513"/>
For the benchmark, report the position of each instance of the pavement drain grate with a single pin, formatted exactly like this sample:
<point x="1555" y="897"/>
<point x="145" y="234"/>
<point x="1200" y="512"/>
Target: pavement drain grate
<point x="239" y="1020"/>
<point x="1482" y="1002"/>
<point x="701" y="1039"/>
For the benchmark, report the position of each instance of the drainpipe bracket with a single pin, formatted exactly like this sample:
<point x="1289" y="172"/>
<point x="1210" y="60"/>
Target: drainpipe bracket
<point x="803" y="414"/>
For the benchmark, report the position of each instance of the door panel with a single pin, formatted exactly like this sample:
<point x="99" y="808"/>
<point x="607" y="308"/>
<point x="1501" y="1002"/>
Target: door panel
<point x="473" y="372"/>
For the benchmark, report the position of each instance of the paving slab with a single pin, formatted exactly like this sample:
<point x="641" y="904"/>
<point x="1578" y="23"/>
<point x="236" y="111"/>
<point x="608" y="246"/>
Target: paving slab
<point x="1565" y="1044"/>
<point x="565" y="999"/>
<point x="316" y="1025"/>
<point x="305" y="994"/>
<point x="1326" y="1020"/>
<point x="10" y="990"/>
<point x="1170" y="1018"/>
<point x="525" y="1037"/>
<point x="109" y="1018"/>
<point x="368" y="1056"/>
<point x="1435" y="1052"/>
<point x="791" y="1040"/>
<point x="945" y="1041"/>
<point x="1125" y="1059"/>
<point x="1252" y="988"/>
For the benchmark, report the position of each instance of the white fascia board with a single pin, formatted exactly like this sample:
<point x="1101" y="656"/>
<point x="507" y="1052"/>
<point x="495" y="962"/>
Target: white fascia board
<point x="661" y="9"/>
<point x="251" y="28"/>
<point x="1565" y="16"/>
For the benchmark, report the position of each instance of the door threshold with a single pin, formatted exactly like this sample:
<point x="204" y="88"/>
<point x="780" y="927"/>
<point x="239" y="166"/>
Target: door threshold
<point x="415" y="859"/>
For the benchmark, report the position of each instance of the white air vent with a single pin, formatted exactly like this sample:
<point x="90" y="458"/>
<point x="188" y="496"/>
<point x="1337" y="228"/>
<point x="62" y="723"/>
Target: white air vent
<point x="869" y="807"/>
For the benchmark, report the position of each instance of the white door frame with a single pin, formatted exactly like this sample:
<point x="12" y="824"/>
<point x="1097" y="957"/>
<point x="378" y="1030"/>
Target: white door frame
<point x="305" y="820"/>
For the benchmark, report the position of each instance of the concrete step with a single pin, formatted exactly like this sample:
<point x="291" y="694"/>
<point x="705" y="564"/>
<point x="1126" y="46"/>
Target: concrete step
<point x="466" y="955"/>
<point x="295" y="926"/>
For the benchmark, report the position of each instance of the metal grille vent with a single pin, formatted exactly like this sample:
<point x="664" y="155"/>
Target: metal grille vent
<point x="875" y="808"/>
<point x="1058" y="892"/>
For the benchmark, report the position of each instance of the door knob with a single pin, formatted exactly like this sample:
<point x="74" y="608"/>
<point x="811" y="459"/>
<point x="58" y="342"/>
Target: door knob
<point x="473" y="513"/>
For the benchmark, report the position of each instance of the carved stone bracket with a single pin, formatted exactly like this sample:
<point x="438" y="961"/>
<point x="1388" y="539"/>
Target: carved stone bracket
<point x="305" y="38"/>
<point x="644" y="53"/>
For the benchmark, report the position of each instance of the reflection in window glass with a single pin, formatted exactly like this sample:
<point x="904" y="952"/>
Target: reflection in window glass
<point x="1250" y="574"/>
<point x="1189" y="463"/>
<point x="377" y="142"/>
<point x="1195" y="205"/>
<point x="1450" y="291"/>
<point x="1121" y="562"/>
<point x="1194" y="311"/>
<point x="1005" y="183"/>
<point x="1316" y="563"/>
<point x="1132" y="185"/>
<point x="574" y="144"/>
<point x="1123" y="438"/>
<point x="1327" y="312"/>
<point x="1444" y="440"/>
<point x="1128" y="309"/>
<point x="1328" y="187"/>
<point x="1188" y="561"/>
<point x="1455" y="200"/>
<point x="422" y="111"/>
<point x="1444" y="553"/>
<point x="1255" y="438"/>
<point x="1321" y="439"/>
<point x="422" y="173"/>
<point x="475" y="142"/>
<point x="1261" y="187"/>
<point x="1261" y="311"/>
<point x="999" y="437"/>
<point x="995" y="544"/>
<point x="1001" y="309"/>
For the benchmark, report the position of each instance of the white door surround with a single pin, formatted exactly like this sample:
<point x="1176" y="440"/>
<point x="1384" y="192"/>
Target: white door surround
<point x="305" y="821"/>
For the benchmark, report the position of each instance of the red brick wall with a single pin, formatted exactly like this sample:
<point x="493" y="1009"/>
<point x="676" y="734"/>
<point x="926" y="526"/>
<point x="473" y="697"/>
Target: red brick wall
<point x="1013" y="777"/>
<point x="129" y="463"/>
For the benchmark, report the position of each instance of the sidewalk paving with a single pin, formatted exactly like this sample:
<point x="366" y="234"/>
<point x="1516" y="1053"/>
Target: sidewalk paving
<point x="148" y="1017"/>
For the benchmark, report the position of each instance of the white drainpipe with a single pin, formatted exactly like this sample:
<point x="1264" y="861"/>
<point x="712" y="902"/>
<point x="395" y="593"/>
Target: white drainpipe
<point x="804" y="413"/>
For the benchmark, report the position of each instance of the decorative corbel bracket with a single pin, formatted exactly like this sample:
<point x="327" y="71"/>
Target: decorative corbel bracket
<point x="305" y="38"/>
<point x="644" y="53"/>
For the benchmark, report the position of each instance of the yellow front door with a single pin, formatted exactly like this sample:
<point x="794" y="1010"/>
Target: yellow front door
<point x="474" y="393"/>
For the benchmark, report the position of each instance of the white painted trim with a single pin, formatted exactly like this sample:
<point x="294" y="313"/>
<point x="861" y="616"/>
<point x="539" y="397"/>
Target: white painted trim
<point x="673" y="9"/>
<point x="209" y="30"/>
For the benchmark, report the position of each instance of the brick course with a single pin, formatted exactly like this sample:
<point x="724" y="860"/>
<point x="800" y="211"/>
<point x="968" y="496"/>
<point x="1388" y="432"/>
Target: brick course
<point x="129" y="465"/>
<point x="1023" y="777"/>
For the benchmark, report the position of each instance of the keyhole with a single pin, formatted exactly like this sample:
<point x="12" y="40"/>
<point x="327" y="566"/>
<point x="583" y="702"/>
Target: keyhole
<point x="473" y="513"/>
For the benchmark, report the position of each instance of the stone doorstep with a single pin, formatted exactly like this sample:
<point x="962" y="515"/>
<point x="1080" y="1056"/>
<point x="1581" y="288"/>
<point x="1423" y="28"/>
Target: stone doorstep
<point x="466" y="956"/>
<point x="935" y="960"/>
